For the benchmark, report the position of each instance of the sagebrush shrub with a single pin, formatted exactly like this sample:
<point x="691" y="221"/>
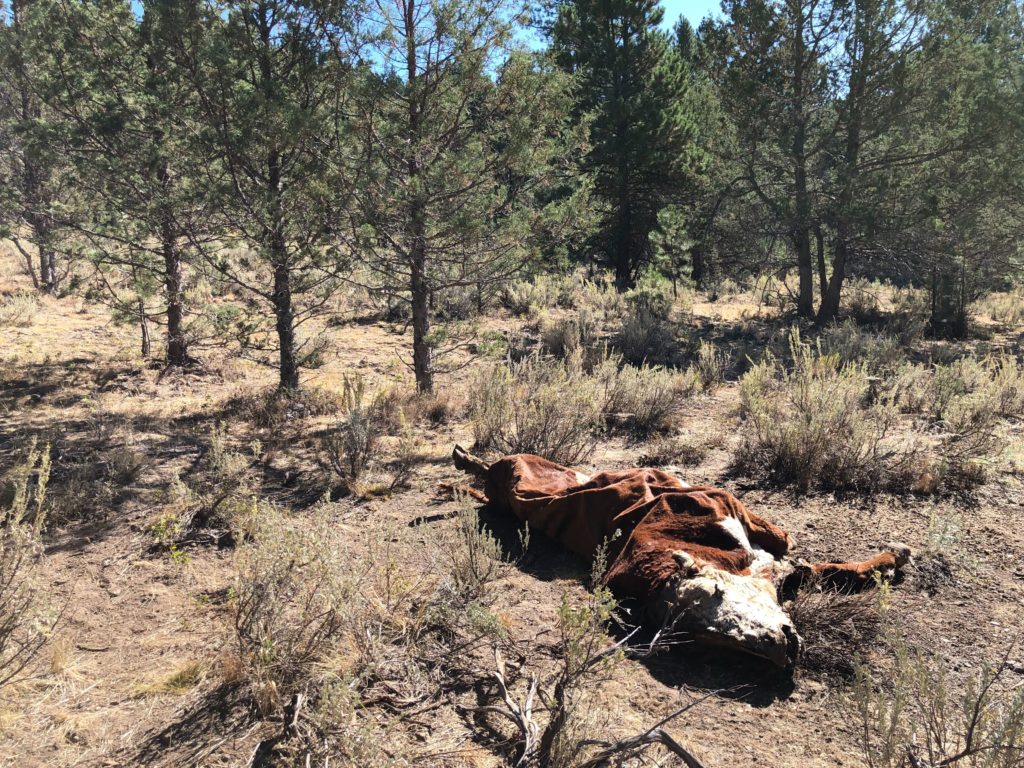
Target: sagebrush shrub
<point x="18" y="309"/>
<point x="710" y="366"/>
<point x="810" y="425"/>
<point x="537" y="405"/>
<point x="645" y="337"/>
<point x="678" y="450"/>
<point x="861" y="298"/>
<point x="643" y="398"/>
<point x="918" y="716"/>
<point x="293" y="595"/>
<point x="351" y="446"/>
<point x="1003" y="306"/>
<point x="881" y="354"/>
<point x="526" y="297"/>
<point x="471" y="558"/>
<point x="25" y="618"/>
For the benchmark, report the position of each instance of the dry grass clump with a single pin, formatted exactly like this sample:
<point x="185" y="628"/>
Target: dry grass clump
<point x="835" y="628"/>
<point x="538" y="405"/>
<point x="915" y="715"/>
<point x="181" y="679"/>
<point x="91" y="479"/>
<point x="25" y="617"/>
<point x="810" y="425"/>
<point x="18" y="310"/>
<point x="1003" y="306"/>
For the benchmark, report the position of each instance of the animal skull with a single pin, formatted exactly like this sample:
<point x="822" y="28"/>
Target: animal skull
<point x="721" y="608"/>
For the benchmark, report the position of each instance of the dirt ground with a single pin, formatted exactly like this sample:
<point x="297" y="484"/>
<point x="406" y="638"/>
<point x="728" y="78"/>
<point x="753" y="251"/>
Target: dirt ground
<point x="134" y="618"/>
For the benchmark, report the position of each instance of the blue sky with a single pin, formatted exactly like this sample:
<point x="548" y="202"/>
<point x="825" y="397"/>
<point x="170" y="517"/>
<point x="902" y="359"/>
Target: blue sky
<point x="693" y="10"/>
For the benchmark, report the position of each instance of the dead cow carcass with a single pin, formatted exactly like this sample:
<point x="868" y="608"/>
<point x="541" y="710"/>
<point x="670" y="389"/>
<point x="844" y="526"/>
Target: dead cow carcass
<point x="693" y="557"/>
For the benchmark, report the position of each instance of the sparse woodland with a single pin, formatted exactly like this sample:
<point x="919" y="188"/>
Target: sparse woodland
<point x="263" y="264"/>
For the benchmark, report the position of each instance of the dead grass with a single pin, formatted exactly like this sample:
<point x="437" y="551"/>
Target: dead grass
<point x="18" y="310"/>
<point x="183" y="678"/>
<point x="835" y="629"/>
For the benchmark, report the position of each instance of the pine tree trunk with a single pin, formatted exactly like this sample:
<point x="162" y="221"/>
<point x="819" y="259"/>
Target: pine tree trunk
<point x="416" y="233"/>
<point x="285" y="326"/>
<point x="848" y="170"/>
<point x="284" y="314"/>
<point x="805" y="299"/>
<point x="697" y="265"/>
<point x="822" y="270"/>
<point x="422" y="360"/>
<point x="829" y="309"/>
<point x="275" y="240"/>
<point x="801" y="233"/>
<point x="146" y="342"/>
<point x="177" y="347"/>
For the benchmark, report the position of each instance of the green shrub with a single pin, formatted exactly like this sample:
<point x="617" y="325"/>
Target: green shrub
<point x="917" y="716"/>
<point x="809" y="426"/>
<point x="538" y="405"/>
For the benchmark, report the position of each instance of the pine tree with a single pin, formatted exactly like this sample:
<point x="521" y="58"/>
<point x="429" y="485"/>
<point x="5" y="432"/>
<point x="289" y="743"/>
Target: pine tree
<point x="33" y="184"/>
<point x="634" y="90"/>
<point x="118" y="97"/>
<point x="458" y="130"/>
<point x="270" y="80"/>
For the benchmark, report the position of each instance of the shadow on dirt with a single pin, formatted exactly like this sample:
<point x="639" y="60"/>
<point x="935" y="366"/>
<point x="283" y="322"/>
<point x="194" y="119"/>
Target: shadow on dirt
<point x="196" y="732"/>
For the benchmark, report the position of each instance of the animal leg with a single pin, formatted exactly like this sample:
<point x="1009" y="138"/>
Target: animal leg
<point x="469" y="463"/>
<point x="853" y="576"/>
